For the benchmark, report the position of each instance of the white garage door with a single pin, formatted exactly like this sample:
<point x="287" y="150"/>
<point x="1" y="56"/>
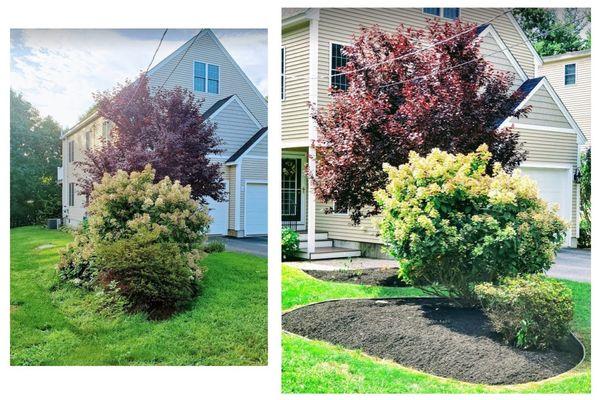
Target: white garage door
<point x="555" y="187"/>
<point x="219" y="212"/>
<point x="256" y="208"/>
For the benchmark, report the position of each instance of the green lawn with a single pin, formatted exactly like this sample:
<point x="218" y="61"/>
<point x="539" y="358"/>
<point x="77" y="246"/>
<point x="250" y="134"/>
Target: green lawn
<point x="57" y="324"/>
<point x="310" y="366"/>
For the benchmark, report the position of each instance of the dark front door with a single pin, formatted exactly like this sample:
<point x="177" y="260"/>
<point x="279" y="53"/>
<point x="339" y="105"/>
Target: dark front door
<point x="291" y="189"/>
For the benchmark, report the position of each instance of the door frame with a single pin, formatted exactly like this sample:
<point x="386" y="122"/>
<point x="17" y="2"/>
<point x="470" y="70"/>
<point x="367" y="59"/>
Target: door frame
<point x="247" y="183"/>
<point x="302" y="222"/>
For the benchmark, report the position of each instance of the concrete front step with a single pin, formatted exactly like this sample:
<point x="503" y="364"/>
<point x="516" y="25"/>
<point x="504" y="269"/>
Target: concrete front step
<point x="324" y="253"/>
<point x="318" y="243"/>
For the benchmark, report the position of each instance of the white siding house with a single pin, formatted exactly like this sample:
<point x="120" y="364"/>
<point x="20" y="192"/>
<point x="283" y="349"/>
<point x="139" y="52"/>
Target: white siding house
<point x="231" y="101"/>
<point x="309" y="35"/>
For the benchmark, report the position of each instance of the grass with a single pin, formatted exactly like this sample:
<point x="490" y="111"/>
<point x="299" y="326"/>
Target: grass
<point x="53" y="323"/>
<point x="310" y="366"/>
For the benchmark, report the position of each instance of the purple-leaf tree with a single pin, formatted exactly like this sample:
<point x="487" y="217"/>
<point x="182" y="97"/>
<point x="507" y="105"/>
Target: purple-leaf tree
<point x="165" y="129"/>
<point x="447" y="97"/>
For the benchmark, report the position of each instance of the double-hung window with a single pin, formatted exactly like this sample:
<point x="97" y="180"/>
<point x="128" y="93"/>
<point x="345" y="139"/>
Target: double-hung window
<point x="569" y="74"/>
<point x="71" y="194"/>
<point x="106" y="130"/>
<point x="338" y="79"/>
<point x="206" y="77"/>
<point x="71" y="151"/>
<point x="448" y="13"/>
<point x="87" y="140"/>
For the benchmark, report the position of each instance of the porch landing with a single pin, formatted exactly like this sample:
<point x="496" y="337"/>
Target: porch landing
<point x="324" y="248"/>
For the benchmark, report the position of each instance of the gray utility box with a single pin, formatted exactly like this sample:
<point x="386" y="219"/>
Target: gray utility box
<point x="54" y="223"/>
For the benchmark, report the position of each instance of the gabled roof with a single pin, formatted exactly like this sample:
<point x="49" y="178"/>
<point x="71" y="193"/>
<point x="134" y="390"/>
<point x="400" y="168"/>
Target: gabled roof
<point x="216" y="106"/>
<point x="530" y="87"/>
<point x="248" y="145"/>
<point x="489" y="29"/>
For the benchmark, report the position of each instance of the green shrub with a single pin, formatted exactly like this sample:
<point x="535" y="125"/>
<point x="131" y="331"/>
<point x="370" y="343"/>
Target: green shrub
<point x="451" y="224"/>
<point x="78" y="263"/>
<point x="152" y="276"/>
<point x="290" y="243"/>
<point x="122" y="204"/>
<point x="141" y="238"/>
<point x="216" y="246"/>
<point x="529" y="311"/>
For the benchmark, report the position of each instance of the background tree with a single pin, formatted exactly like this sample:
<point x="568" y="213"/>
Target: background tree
<point x="556" y="31"/>
<point x="584" y="176"/>
<point x="35" y="153"/>
<point x="446" y="97"/>
<point x="165" y="129"/>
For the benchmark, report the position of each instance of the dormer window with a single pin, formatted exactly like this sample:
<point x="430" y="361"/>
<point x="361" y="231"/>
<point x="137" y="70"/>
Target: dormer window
<point x="448" y="13"/>
<point x="206" y="78"/>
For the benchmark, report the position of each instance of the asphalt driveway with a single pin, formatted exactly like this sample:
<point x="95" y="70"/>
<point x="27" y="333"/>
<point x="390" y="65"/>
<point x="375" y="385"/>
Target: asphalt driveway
<point x="572" y="264"/>
<point x="256" y="245"/>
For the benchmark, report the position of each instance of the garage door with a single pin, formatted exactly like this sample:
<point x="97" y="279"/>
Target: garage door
<point x="219" y="212"/>
<point x="256" y="208"/>
<point x="555" y="187"/>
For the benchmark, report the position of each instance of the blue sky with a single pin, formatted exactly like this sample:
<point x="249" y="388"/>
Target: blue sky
<point x="58" y="70"/>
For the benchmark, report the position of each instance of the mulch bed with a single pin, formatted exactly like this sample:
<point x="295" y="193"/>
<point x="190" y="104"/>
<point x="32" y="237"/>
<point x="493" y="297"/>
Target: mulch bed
<point x="365" y="276"/>
<point x="431" y="336"/>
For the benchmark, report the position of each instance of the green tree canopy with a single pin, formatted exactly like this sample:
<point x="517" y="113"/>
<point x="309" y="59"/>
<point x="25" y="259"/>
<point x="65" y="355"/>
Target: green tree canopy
<point x="554" y="31"/>
<point x="35" y="152"/>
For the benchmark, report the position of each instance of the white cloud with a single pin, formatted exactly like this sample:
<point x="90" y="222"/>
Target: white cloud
<point x="58" y="70"/>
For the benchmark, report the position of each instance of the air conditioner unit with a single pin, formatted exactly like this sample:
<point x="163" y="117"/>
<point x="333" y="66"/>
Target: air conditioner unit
<point x="54" y="223"/>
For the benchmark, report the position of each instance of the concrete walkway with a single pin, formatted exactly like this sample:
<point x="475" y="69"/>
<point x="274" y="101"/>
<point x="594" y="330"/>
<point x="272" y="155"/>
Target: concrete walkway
<point x="572" y="264"/>
<point x="256" y="245"/>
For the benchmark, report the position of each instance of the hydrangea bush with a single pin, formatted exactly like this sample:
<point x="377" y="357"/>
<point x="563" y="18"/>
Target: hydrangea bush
<point x="451" y="224"/>
<point x="142" y="239"/>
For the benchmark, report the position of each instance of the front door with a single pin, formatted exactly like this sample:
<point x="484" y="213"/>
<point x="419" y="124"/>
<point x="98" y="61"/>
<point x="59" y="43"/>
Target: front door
<point x="291" y="191"/>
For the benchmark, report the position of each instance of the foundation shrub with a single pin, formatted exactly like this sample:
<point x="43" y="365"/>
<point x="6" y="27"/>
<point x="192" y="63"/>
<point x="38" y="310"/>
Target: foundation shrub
<point x="217" y="246"/>
<point x="290" y="243"/>
<point x="451" y="223"/>
<point x="529" y="311"/>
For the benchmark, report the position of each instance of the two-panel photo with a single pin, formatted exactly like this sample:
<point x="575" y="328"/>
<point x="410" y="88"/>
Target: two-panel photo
<point x="432" y="199"/>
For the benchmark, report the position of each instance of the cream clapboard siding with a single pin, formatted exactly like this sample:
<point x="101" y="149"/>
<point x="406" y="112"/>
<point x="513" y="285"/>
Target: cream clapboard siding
<point x="234" y="127"/>
<point x="491" y="52"/>
<point x="577" y="97"/>
<point x="76" y="213"/>
<point x="232" y="187"/>
<point x="553" y="147"/>
<point x="545" y="112"/>
<point x="260" y="149"/>
<point x="339" y="26"/>
<point x="251" y="169"/>
<point x="206" y="49"/>
<point x="295" y="111"/>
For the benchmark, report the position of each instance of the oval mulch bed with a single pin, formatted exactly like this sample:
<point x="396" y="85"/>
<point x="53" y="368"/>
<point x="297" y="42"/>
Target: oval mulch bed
<point x="431" y="336"/>
<point x="365" y="276"/>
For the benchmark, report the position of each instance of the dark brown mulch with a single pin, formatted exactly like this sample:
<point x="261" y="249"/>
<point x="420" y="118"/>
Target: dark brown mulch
<point x="431" y="336"/>
<point x="365" y="276"/>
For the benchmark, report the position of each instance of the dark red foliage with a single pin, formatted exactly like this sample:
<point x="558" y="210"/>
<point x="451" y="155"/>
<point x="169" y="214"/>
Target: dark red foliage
<point x="165" y="129"/>
<point x="420" y="102"/>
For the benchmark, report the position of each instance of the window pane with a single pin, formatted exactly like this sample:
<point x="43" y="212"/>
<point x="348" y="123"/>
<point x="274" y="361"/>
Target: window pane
<point x="213" y="72"/>
<point x="451" y="13"/>
<point x="338" y="60"/>
<point x="200" y="69"/>
<point x="199" y="84"/>
<point x="432" y="11"/>
<point x="569" y="74"/>
<point x="212" y="86"/>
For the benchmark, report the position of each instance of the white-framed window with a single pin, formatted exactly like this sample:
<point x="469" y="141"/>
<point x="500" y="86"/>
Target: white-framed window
<point x="71" y="194"/>
<point x="71" y="151"/>
<point x="206" y="77"/>
<point x="88" y="140"/>
<point x="337" y="60"/>
<point x="106" y="128"/>
<point x="448" y="13"/>
<point x="338" y="210"/>
<point x="282" y="72"/>
<point x="569" y="74"/>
